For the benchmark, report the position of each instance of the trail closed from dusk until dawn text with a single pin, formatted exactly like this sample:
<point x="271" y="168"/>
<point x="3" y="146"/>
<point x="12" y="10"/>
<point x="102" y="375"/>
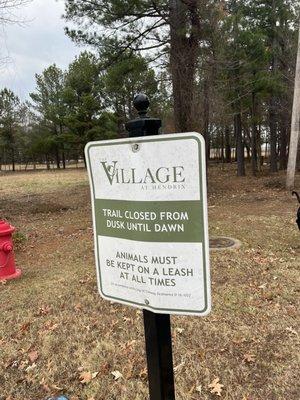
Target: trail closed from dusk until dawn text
<point x="149" y="206"/>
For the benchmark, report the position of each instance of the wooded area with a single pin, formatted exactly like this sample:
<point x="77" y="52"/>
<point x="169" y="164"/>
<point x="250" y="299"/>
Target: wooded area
<point x="223" y="68"/>
<point x="228" y="69"/>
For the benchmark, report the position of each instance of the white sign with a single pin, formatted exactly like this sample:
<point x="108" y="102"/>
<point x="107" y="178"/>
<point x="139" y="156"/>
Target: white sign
<point x="150" y="222"/>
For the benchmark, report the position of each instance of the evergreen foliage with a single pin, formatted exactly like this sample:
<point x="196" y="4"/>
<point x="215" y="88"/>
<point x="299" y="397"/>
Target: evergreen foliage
<point x="222" y="67"/>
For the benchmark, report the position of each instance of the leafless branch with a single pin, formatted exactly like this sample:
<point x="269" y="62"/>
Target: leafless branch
<point x="7" y="11"/>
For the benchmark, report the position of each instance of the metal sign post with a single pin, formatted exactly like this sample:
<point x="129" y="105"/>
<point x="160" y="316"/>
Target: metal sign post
<point x="149" y="206"/>
<point x="157" y="326"/>
<point x="159" y="355"/>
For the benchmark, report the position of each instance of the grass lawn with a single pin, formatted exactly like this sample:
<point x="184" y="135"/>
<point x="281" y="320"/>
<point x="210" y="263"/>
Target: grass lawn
<point x="57" y="336"/>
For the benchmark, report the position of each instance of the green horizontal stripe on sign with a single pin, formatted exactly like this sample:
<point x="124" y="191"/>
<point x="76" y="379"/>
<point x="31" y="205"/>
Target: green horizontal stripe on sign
<point x="150" y="221"/>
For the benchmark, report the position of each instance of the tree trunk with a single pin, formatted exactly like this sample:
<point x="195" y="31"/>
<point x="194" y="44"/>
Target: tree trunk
<point x="247" y="147"/>
<point x="206" y="117"/>
<point x="254" y="136"/>
<point x="84" y="159"/>
<point x="239" y="145"/>
<point x="13" y="159"/>
<point x="183" y="61"/>
<point x="273" y="135"/>
<point x="222" y="146"/>
<point x="254" y="149"/>
<point x="227" y="145"/>
<point x="272" y="102"/>
<point x="57" y="158"/>
<point x="259" y="155"/>
<point x="295" y="127"/>
<point x="283" y="141"/>
<point x="63" y="156"/>
<point x="47" y="162"/>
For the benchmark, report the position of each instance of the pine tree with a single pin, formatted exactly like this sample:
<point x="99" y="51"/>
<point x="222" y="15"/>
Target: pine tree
<point x="9" y="120"/>
<point x="49" y="103"/>
<point x="173" y="28"/>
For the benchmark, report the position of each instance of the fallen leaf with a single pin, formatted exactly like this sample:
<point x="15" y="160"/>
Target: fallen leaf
<point x="239" y="341"/>
<point x="78" y="307"/>
<point x="49" y="326"/>
<point x="201" y="354"/>
<point x="216" y="387"/>
<point x="263" y="286"/>
<point x="31" y="367"/>
<point x="179" y="366"/>
<point x="12" y="364"/>
<point x="199" y="389"/>
<point x="25" y="327"/>
<point x="117" y="375"/>
<point x="129" y="345"/>
<point x="85" y="377"/>
<point x="129" y="371"/>
<point x="104" y="369"/>
<point x="33" y="356"/>
<point x="29" y="380"/>
<point x="45" y="310"/>
<point x="144" y="373"/>
<point x="23" y="365"/>
<point x="291" y="330"/>
<point x="55" y="387"/>
<point x="249" y="358"/>
<point x="44" y="386"/>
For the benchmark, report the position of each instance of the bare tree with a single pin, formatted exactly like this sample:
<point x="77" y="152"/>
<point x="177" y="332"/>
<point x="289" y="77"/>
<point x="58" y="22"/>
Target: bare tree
<point x="9" y="15"/>
<point x="295" y="128"/>
<point x="8" y="10"/>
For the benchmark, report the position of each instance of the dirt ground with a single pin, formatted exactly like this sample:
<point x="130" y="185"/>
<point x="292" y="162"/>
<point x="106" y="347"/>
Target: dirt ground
<point x="57" y="336"/>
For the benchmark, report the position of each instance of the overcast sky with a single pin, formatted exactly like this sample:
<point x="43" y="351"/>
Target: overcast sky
<point x="35" y="45"/>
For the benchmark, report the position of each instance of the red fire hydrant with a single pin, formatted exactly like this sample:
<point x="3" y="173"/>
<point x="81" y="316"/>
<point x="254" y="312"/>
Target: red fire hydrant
<point x="8" y="268"/>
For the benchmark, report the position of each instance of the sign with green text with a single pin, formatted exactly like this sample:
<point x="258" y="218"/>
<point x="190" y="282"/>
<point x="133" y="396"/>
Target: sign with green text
<point x="150" y="222"/>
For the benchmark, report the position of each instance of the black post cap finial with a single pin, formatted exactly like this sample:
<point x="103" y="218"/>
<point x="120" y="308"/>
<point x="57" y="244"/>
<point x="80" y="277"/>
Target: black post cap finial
<point x="141" y="103"/>
<point x="144" y="125"/>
